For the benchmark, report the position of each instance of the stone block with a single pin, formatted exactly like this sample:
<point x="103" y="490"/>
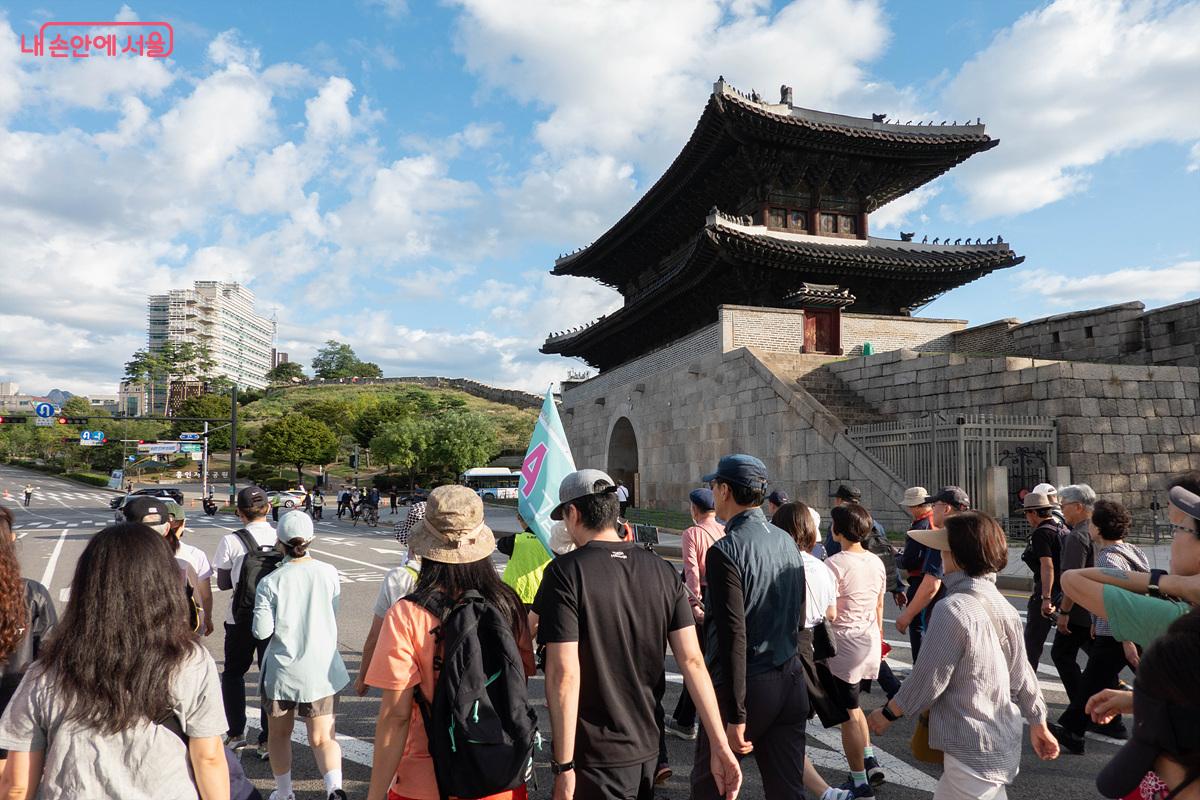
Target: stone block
<point x="1144" y="462"/>
<point x="1127" y="408"/>
<point x="1131" y="444"/>
<point x="1162" y="462"/>
<point x="1018" y="393"/>
<point x="1180" y="462"/>
<point x="1089" y="406"/>
<point x="1093" y="443"/>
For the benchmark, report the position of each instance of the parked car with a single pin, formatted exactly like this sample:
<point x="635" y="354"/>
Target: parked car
<point x="415" y="496"/>
<point x="287" y="499"/>
<point x="155" y="491"/>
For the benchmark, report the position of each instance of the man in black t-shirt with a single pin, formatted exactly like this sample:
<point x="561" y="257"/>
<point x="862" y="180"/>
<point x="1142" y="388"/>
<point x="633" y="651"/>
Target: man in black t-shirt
<point x="605" y="613"/>
<point x="1042" y="555"/>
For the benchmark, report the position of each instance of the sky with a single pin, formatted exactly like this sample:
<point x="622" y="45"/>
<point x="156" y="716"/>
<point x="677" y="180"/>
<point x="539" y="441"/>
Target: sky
<point x="400" y="175"/>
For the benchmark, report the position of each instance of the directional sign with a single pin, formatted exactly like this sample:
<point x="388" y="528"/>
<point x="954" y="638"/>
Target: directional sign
<point x="132" y="458"/>
<point x="159" y="448"/>
<point x="44" y="409"/>
<point x="92" y="438"/>
<point x="189" y="437"/>
<point x="191" y="448"/>
<point x="45" y="422"/>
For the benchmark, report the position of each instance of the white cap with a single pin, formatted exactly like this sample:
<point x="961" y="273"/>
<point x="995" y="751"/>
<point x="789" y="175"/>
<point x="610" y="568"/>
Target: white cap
<point x="295" y="525"/>
<point x="1046" y="489"/>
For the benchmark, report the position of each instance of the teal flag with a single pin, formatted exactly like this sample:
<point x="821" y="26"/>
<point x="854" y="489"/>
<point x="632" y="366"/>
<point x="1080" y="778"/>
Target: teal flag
<point x="547" y="461"/>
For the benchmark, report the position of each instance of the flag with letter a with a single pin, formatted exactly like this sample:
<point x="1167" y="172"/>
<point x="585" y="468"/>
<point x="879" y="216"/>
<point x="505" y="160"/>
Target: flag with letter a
<point x="547" y="461"/>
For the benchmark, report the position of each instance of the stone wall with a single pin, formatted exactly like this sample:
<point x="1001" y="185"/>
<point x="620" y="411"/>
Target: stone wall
<point x="774" y="330"/>
<point x="887" y="333"/>
<point x="1124" y="429"/>
<point x="686" y="417"/>
<point x="1172" y="334"/>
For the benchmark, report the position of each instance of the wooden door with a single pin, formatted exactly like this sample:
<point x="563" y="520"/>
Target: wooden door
<point x="810" y="332"/>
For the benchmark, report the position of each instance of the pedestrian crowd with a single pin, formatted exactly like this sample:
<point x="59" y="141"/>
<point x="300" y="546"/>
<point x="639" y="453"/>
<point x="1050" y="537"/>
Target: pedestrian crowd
<point x="770" y="627"/>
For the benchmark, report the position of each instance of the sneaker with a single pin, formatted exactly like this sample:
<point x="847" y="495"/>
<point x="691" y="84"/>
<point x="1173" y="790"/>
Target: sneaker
<point x="661" y="773"/>
<point x="833" y="793"/>
<point x="234" y="743"/>
<point x="262" y="752"/>
<point x="1069" y="741"/>
<point x="866" y="790"/>
<point x="275" y="795"/>
<point x="337" y="794"/>
<point x="875" y="773"/>
<point x="681" y="731"/>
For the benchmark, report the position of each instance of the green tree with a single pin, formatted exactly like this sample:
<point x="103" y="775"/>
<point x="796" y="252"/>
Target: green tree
<point x="337" y="414"/>
<point x="403" y="443"/>
<point x="285" y="372"/>
<point x="296" y="440"/>
<point x="335" y="360"/>
<point x="77" y="407"/>
<point x="461" y="440"/>
<point x="371" y="419"/>
<point x="368" y="369"/>
<point x="170" y="361"/>
<point x="211" y="406"/>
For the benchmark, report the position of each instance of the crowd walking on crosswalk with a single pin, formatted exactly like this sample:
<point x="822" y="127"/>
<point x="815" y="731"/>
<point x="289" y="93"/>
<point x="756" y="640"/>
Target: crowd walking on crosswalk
<point x="772" y="629"/>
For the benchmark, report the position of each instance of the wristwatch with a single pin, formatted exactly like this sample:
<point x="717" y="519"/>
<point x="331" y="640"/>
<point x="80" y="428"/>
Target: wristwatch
<point x="887" y="713"/>
<point x="559" y="769"/>
<point x="1155" y="576"/>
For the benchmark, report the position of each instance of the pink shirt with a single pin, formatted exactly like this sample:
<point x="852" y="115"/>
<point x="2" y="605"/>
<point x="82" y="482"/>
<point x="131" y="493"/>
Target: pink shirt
<point x="860" y="579"/>
<point x="694" y="545"/>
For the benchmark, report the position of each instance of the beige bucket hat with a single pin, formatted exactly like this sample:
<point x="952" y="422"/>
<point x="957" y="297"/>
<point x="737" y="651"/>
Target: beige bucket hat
<point x="453" y="531"/>
<point x="915" y="496"/>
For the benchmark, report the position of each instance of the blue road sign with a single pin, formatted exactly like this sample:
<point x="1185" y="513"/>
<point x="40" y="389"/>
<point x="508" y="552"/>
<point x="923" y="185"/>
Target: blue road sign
<point x="44" y="410"/>
<point x="132" y="458"/>
<point x="189" y="437"/>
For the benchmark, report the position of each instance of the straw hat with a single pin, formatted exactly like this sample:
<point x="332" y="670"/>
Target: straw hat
<point x="453" y="531"/>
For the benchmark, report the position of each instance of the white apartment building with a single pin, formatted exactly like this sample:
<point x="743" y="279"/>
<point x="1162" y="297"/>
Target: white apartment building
<point x="220" y="316"/>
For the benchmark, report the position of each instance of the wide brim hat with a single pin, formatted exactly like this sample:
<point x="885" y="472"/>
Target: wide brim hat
<point x="1036" y="501"/>
<point x="453" y="530"/>
<point x="936" y="538"/>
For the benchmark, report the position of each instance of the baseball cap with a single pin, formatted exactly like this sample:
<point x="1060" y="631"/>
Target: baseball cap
<point x="150" y="511"/>
<point x="849" y="493"/>
<point x="702" y="499"/>
<point x="740" y="469"/>
<point x="582" y="483"/>
<point x="250" y="497"/>
<point x="1046" y="489"/>
<point x="951" y="495"/>
<point x="1185" y="501"/>
<point x="295" y="525"/>
<point x="174" y="510"/>
<point x="778" y="498"/>
<point x="915" y="496"/>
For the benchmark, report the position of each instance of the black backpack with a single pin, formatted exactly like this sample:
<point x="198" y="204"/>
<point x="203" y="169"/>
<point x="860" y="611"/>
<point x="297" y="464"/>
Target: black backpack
<point x="480" y="725"/>
<point x="259" y="562"/>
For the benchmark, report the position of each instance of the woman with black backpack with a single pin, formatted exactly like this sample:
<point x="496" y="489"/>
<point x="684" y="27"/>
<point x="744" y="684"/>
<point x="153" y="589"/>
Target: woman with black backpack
<point x="123" y="680"/>
<point x="460" y="614"/>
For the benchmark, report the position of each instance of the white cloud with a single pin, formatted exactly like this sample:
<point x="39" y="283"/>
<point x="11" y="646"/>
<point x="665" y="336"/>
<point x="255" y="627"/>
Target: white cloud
<point x="327" y="113"/>
<point x="1069" y="85"/>
<point x="229" y="48"/>
<point x="572" y="200"/>
<point x="1150" y="284"/>
<point x="1194" y="158"/>
<point x="903" y="211"/>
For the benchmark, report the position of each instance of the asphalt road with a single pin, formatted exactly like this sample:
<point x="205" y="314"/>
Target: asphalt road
<point x="63" y="516"/>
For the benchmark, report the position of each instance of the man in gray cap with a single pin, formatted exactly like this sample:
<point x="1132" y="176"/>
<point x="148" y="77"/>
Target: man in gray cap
<point x="604" y="612"/>
<point x="754" y="613"/>
<point x="1073" y="623"/>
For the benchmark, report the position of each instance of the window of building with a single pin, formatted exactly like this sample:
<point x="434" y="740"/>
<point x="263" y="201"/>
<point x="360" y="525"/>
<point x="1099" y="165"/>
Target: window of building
<point x="847" y="225"/>
<point x="1170" y="326"/>
<point x="777" y="218"/>
<point x="1088" y="332"/>
<point x="828" y="223"/>
<point x="1056" y="337"/>
<point x="798" y="220"/>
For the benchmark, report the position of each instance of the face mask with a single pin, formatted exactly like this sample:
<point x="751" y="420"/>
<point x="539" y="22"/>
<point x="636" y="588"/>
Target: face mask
<point x="560" y="540"/>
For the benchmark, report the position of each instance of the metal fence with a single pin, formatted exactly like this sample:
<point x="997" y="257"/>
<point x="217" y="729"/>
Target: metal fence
<point x="942" y="450"/>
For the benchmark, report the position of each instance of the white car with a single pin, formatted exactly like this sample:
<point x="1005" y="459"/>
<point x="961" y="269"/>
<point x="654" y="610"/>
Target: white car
<point x="290" y="498"/>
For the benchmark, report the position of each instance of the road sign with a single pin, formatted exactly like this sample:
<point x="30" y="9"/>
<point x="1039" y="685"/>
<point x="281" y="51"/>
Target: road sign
<point x="45" y="422"/>
<point x="44" y="409"/>
<point x="189" y="437"/>
<point x="159" y="448"/>
<point x="92" y="438"/>
<point x="131" y="458"/>
<point x="191" y="448"/>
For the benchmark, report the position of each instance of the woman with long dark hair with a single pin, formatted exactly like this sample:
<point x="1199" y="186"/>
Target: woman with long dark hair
<point x="120" y="678"/>
<point x="455" y="547"/>
<point x="26" y="616"/>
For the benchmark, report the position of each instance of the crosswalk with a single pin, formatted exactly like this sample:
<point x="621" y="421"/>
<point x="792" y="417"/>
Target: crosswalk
<point x="54" y="496"/>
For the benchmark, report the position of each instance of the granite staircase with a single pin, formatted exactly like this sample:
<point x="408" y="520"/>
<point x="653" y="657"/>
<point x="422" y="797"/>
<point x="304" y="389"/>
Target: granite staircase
<point x="810" y="373"/>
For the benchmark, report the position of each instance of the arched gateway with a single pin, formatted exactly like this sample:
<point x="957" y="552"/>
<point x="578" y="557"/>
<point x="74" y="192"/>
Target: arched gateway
<point x="623" y="457"/>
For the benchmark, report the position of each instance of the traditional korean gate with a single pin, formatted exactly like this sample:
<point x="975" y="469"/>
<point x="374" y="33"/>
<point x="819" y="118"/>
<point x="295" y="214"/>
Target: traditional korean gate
<point x="942" y="450"/>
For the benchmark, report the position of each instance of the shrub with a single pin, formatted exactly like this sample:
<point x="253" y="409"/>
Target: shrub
<point x="277" y="484"/>
<point x="94" y="480"/>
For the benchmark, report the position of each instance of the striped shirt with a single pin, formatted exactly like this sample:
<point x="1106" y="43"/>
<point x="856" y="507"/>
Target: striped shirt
<point x="976" y="685"/>
<point x="1119" y="555"/>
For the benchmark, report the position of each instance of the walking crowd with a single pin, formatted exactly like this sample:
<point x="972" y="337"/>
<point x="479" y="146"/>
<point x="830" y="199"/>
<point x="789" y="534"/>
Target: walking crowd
<point x="769" y="625"/>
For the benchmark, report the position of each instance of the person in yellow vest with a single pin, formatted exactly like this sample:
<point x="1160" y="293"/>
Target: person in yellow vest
<point x="526" y="564"/>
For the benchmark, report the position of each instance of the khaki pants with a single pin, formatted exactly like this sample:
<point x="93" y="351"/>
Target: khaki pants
<point x="960" y="782"/>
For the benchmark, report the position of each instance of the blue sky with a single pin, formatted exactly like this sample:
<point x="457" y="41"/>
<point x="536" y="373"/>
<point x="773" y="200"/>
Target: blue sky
<point x="401" y="175"/>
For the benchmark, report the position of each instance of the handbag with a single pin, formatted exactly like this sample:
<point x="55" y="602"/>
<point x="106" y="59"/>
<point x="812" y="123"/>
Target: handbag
<point x="822" y="643"/>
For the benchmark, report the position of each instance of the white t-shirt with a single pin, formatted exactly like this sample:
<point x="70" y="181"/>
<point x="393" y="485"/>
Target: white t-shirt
<point x="231" y="552"/>
<point x="622" y="494"/>
<point x="820" y="589"/>
<point x="196" y="558"/>
<point x="399" y="582"/>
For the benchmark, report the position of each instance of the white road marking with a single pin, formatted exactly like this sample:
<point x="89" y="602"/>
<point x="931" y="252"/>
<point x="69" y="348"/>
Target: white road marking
<point x="388" y="552"/>
<point x="50" y="565"/>
<point x="898" y="772"/>
<point x="351" y="560"/>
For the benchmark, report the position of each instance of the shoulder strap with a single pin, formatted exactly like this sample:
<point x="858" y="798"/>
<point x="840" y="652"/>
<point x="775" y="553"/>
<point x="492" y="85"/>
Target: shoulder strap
<point x="246" y="539"/>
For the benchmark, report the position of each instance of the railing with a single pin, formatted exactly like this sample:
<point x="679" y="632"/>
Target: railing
<point x="943" y="450"/>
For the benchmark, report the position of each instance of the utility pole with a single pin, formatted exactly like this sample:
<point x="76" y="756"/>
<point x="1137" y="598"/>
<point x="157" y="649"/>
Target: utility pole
<point x="233" y="447"/>
<point x="204" y="464"/>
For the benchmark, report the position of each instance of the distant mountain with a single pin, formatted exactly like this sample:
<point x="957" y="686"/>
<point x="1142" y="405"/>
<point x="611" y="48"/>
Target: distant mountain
<point x="58" y="396"/>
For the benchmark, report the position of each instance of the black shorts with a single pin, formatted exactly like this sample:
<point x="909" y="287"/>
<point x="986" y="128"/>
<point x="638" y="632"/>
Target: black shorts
<point x="845" y="695"/>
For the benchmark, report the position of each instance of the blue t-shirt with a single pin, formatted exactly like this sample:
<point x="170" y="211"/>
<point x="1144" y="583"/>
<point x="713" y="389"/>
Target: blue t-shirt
<point x="932" y="565"/>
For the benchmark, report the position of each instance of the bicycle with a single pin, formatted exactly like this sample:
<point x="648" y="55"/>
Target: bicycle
<point x="369" y="516"/>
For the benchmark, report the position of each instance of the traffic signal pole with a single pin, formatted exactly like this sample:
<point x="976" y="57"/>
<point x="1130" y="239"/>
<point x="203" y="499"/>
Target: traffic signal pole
<point x="233" y="447"/>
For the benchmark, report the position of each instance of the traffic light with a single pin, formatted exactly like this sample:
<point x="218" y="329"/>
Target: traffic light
<point x="72" y="420"/>
<point x="354" y="461"/>
<point x="12" y="420"/>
